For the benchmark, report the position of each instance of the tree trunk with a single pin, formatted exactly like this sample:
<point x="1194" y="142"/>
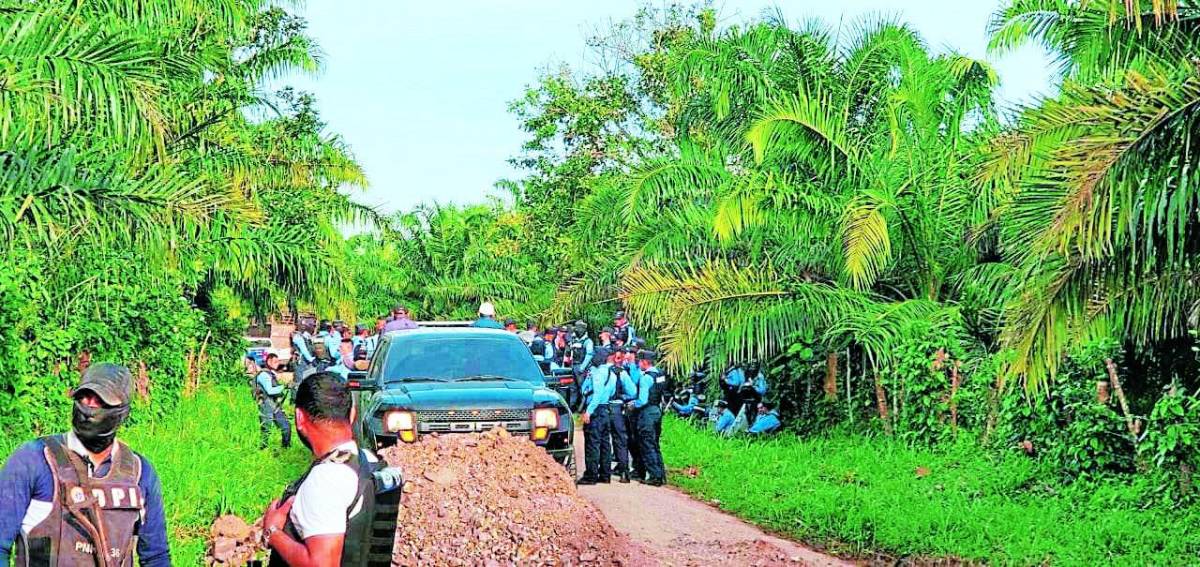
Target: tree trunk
<point x="831" y="371"/>
<point x="881" y="402"/>
<point x="1116" y="386"/>
<point x="954" y="382"/>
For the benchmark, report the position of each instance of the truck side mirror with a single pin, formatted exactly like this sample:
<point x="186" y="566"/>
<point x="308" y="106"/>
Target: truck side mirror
<point x="358" y="382"/>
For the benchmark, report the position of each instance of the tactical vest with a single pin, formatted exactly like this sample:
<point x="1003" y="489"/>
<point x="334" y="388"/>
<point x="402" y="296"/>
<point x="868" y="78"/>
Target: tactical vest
<point x="259" y="393"/>
<point x="538" y="347"/>
<point x="621" y="334"/>
<point x="657" y="388"/>
<point x="92" y="521"/>
<point x="371" y="533"/>
<point x="620" y="393"/>
<point x="320" y="352"/>
<point x="578" y="350"/>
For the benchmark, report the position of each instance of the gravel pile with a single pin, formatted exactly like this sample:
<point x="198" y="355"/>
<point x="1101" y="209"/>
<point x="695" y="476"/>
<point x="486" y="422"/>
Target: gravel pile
<point x="492" y="499"/>
<point x="233" y="542"/>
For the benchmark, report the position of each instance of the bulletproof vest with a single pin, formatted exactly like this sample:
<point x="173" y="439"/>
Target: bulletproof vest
<point x="578" y="348"/>
<point x="259" y="394"/>
<point x="621" y="334"/>
<point x="319" y="350"/>
<point x="371" y="533"/>
<point x="657" y="388"/>
<point x="92" y="521"/>
<point x="621" y="392"/>
<point x="538" y="347"/>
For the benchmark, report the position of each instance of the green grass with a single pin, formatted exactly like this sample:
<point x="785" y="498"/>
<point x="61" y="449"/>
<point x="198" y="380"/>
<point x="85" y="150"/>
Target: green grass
<point x="206" y="454"/>
<point x="858" y="496"/>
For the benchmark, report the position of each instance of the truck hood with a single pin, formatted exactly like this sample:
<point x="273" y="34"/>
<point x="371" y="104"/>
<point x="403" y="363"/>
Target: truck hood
<point x="466" y="395"/>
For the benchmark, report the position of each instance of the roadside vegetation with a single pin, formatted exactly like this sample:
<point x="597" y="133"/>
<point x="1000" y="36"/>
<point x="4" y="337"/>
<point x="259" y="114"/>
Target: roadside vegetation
<point x="877" y="497"/>
<point x="926" y="274"/>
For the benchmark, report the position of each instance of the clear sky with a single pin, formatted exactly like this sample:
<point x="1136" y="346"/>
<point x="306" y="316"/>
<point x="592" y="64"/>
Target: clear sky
<point x="420" y="88"/>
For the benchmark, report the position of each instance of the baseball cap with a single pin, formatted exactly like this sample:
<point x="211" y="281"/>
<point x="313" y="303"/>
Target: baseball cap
<point x="487" y="309"/>
<point x="111" y="382"/>
<point x="647" y="355"/>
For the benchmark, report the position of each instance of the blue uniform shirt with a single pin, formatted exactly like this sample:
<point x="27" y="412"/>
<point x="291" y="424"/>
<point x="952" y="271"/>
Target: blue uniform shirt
<point x="301" y="347"/>
<point x="264" y="382"/>
<point x="629" y="384"/>
<point x="725" y="422"/>
<point x="645" y="382"/>
<point x="766" y="423"/>
<point x="27" y="489"/>
<point x="333" y="342"/>
<point x="760" y="383"/>
<point x="685" y="408"/>
<point x="601" y="388"/>
<point x="735" y="377"/>
<point x="371" y="343"/>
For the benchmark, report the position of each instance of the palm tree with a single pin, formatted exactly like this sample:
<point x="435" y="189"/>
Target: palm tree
<point x="809" y="181"/>
<point x="1095" y="188"/>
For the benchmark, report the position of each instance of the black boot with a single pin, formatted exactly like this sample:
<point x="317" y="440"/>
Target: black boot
<point x="624" y="478"/>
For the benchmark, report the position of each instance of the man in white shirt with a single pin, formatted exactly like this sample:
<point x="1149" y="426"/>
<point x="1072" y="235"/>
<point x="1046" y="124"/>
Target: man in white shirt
<point x="310" y="528"/>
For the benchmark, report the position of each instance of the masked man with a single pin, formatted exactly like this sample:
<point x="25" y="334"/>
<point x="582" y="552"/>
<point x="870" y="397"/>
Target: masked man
<point x="84" y="498"/>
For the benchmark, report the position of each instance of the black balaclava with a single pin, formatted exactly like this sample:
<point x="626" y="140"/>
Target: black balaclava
<point x="97" y="428"/>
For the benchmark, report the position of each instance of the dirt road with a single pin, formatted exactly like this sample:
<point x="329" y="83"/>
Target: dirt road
<point x="675" y="529"/>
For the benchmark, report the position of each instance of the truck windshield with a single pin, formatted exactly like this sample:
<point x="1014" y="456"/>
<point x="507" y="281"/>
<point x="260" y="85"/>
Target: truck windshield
<point x="458" y="357"/>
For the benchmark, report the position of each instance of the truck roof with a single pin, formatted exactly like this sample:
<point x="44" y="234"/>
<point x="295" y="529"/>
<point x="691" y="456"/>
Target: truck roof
<point x="448" y="331"/>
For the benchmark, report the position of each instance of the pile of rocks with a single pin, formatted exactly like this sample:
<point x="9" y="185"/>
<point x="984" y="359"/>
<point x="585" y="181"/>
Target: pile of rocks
<point x="234" y="542"/>
<point x="493" y="499"/>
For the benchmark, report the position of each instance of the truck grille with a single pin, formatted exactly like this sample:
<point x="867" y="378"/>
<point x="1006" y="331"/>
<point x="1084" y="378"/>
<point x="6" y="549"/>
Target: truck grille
<point x="471" y="421"/>
<point x="472" y="415"/>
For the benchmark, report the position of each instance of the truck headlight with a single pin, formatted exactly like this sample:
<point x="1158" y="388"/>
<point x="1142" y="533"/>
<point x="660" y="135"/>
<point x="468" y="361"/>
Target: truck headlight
<point x="545" y="420"/>
<point x="401" y="422"/>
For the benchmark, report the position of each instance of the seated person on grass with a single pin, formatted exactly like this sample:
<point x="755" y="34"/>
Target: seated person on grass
<point x="768" y="420"/>
<point x="724" y="422"/>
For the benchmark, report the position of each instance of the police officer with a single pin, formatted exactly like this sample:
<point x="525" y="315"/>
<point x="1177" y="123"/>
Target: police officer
<point x="84" y="498"/>
<point x="752" y="390"/>
<point x="328" y="516"/>
<point x="652" y="385"/>
<point x="301" y="354"/>
<point x="580" y="351"/>
<point x="268" y="392"/>
<point x="542" y="348"/>
<point x="622" y="331"/>
<point x="767" y="421"/>
<point x="597" y="389"/>
<point x="619" y="366"/>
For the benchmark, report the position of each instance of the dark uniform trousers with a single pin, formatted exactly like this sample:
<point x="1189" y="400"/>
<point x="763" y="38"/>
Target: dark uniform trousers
<point x="270" y="414"/>
<point x="620" y="438"/>
<point x="636" y="464"/>
<point x="597" y="448"/>
<point x="649" y="428"/>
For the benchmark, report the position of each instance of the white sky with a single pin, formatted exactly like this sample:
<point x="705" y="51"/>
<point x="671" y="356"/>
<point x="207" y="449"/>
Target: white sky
<point x="420" y="89"/>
